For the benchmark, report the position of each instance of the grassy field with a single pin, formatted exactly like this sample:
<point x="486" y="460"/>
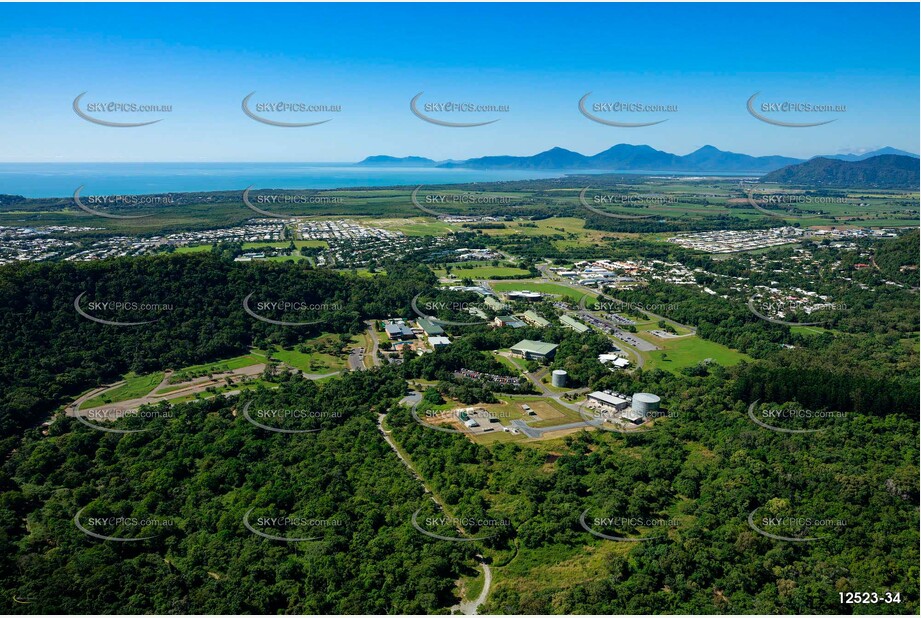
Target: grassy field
<point x="135" y="386"/>
<point x="679" y="353"/>
<point x="313" y="362"/>
<point x="197" y="371"/>
<point x="194" y="249"/>
<point x="484" y="271"/>
<point x="547" y="288"/>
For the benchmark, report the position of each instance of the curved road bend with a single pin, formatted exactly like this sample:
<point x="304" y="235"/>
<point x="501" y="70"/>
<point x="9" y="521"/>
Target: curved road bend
<point x="468" y="608"/>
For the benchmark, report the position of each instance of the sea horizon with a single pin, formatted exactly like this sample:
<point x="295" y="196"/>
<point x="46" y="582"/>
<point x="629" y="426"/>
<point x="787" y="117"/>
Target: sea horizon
<point x="60" y="180"/>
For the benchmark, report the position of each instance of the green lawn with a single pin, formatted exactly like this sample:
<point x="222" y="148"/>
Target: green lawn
<point x="547" y="288"/>
<point x="314" y="362"/>
<point x="197" y="371"/>
<point x="193" y="249"/>
<point x="485" y="271"/>
<point x="135" y="386"/>
<point x="679" y="353"/>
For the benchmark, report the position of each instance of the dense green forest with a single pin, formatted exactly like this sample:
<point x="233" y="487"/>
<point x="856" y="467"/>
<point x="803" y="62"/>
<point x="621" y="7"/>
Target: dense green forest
<point x="200" y="472"/>
<point x="704" y="469"/>
<point x="51" y="352"/>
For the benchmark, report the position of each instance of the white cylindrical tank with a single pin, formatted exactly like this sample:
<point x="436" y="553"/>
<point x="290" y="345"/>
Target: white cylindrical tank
<point x="645" y="403"/>
<point x="558" y="378"/>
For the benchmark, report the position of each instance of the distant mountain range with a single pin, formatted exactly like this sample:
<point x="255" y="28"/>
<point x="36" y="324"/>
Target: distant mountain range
<point x="886" y="171"/>
<point x="625" y="157"/>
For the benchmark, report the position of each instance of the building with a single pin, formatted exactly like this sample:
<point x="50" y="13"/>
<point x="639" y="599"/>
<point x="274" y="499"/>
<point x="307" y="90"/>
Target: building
<point x="430" y="328"/>
<point x="524" y="295"/>
<point x="397" y="330"/>
<point x="645" y="403"/>
<point x="574" y="324"/>
<point x="507" y="320"/>
<point x="607" y="401"/>
<point x="535" y="320"/>
<point x="534" y="350"/>
<point x="615" y="361"/>
<point x="633" y="416"/>
<point x="439" y="342"/>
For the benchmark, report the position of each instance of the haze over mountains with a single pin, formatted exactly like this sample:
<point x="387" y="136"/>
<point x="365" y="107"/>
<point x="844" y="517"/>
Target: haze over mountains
<point x="626" y="157"/>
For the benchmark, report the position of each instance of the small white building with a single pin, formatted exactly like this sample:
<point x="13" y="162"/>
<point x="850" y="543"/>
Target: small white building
<point x="607" y="401"/>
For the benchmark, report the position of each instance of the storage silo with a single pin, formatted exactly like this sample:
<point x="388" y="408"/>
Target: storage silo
<point x="558" y="378"/>
<point x="645" y="403"/>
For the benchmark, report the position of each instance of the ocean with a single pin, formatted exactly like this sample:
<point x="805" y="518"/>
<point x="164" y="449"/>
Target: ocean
<point x="62" y="179"/>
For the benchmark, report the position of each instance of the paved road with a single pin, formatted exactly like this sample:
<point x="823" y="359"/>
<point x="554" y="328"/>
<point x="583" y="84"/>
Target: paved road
<point x="356" y="359"/>
<point x="375" y="343"/>
<point x="537" y="432"/>
<point x="470" y="608"/>
<point x="466" y="607"/>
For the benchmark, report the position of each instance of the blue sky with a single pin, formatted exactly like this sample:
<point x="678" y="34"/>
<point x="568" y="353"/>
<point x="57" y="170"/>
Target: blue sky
<point x="539" y="59"/>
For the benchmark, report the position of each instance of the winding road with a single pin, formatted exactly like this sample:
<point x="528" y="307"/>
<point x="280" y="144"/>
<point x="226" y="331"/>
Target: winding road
<point x="468" y="608"/>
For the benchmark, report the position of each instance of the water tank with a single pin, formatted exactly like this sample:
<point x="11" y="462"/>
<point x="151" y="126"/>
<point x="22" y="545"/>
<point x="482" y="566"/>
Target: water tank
<point x="645" y="403"/>
<point x="558" y="378"/>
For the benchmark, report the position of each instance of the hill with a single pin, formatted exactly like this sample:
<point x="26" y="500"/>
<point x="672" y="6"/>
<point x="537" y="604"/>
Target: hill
<point x="881" y="172"/>
<point x="387" y="161"/>
<point x="629" y="157"/>
<point x="888" y="150"/>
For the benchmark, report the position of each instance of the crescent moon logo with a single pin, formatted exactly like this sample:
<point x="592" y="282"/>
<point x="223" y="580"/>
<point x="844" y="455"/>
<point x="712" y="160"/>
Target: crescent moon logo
<point x="444" y="123"/>
<point x="101" y="321"/>
<point x="454" y="539"/>
<point x="106" y="123"/>
<point x="247" y="309"/>
<point x="611" y="123"/>
<point x="272" y="537"/>
<point x="795" y="125"/>
<point x="609" y="537"/>
<point x="275" y="123"/>
<point x="612" y="215"/>
<point x="86" y="208"/>
<point x="751" y="524"/>
<point x="102" y="536"/>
